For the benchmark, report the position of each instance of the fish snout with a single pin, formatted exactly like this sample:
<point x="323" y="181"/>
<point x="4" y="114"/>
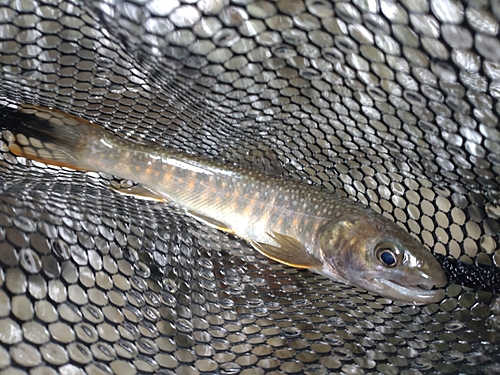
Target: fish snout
<point x="423" y="269"/>
<point x="420" y="284"/>
<point x="428" y="278"/>
<point x="435" y="274"/>
<point x="439" y="278"/>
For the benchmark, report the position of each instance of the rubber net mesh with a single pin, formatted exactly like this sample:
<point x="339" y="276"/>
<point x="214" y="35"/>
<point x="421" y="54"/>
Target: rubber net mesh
<point x="394" y="104"/>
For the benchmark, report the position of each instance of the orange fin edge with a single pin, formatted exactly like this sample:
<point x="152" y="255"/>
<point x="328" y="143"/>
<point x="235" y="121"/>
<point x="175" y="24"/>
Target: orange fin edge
<point x="140" y="192"/>
<point x="210" y="222"/>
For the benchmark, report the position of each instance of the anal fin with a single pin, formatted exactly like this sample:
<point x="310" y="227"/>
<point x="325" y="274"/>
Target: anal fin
<point x="290" y="252"/>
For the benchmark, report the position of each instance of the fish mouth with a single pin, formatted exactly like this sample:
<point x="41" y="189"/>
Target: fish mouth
<point x="417" y="294"/>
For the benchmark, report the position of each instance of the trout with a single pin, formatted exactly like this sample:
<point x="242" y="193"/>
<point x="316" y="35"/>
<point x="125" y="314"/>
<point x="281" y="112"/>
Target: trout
<point x="288" y="221"/>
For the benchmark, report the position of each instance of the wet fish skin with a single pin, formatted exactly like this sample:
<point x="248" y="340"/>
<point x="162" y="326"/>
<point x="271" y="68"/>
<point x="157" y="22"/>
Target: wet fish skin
<point x="289" y="221"/>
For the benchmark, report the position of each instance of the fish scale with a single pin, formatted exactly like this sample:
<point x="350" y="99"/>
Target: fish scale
<point x="286" y="220"/>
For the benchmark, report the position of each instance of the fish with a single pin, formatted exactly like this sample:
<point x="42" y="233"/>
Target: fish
<point x="286" y="220"/>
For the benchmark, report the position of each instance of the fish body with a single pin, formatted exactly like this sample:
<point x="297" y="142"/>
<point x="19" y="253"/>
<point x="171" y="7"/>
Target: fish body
<point x="287" y="220"/>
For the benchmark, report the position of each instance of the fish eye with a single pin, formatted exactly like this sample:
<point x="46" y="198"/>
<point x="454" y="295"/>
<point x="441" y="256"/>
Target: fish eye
<point x="386" y="256"/>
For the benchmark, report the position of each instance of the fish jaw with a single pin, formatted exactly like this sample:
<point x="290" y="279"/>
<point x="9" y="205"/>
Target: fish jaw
<point x="418" y="294"/>
<point x="410" y="293"/>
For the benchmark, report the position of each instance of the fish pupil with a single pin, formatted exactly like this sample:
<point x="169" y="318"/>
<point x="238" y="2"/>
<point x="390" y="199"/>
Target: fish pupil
<point x="388" y="258"/>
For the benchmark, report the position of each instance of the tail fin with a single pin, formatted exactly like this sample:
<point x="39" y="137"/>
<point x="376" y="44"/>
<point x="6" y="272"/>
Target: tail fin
<point x="49" y="136"/>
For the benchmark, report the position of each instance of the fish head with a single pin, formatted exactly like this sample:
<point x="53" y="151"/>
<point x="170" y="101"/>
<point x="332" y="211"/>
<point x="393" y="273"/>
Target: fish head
<point x="372" y="252"/>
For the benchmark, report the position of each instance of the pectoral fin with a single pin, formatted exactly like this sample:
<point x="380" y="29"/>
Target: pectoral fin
<point x="210" y="222"/>
<point x="140" y="192"/>
<point x="290" y="252"/>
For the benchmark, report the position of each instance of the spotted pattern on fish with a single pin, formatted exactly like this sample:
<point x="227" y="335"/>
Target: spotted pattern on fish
<point x="287" y="220"/>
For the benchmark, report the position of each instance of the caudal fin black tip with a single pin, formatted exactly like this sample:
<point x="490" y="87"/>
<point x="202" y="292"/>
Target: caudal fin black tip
<point x="46" y="135"/>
